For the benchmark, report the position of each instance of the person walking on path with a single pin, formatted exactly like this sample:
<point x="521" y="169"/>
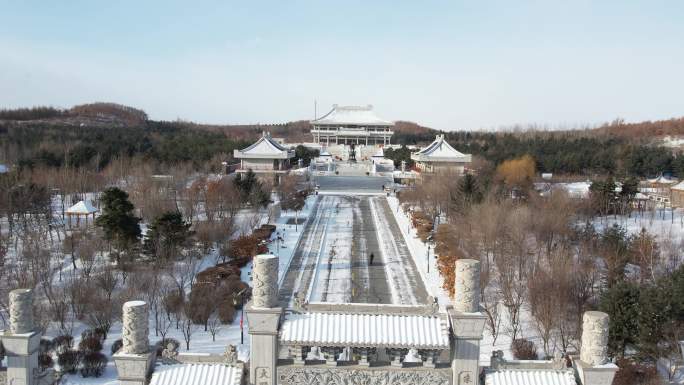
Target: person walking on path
<point x="371" y="258"/>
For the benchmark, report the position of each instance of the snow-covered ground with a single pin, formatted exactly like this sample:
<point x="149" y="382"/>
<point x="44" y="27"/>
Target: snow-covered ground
<point x="202" y="341"/>
<point x="664" y="223"/>
<point x="332" y="277"/>
<point x="397" y="274"/>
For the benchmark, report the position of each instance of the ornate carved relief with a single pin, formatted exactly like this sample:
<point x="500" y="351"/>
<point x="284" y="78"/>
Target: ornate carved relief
<point x="135" y="327"/>
<point x="341" y="376"/>
<point x="21" y="311"/>
<point x="467" y="286"/>
<point x="594" y="338"/>
<point x="265" y="281"/>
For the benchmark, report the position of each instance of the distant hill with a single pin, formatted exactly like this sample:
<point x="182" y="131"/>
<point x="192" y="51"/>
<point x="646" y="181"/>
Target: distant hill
<point x="93" y="114"/>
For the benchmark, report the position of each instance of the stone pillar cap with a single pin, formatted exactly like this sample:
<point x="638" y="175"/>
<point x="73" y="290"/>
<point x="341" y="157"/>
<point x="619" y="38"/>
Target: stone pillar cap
<point x="135" y="303"/>
<point x="266" y="256"/>
<point x="595" y="314"/>
<point x="467" y="260"/>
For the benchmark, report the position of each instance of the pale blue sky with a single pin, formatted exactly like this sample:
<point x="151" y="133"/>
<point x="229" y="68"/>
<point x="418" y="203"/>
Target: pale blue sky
<point x="446" y="64"/>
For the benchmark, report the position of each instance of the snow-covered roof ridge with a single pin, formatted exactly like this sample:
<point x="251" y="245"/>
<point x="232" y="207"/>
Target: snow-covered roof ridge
<point x="265" y="147"/>
<point x="366" y="330"/>
<point x="357" y="115"/>
<point x="440" y="151"/>
<point x="678" y="186"/>
<point x="662" y="179"/>
<point x="530" y="377"/>
<point x="197" y="374"/>
<point x="82" y="208"/>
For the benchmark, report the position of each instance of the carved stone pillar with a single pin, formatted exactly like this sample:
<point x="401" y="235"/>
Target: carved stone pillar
<point x="263" y="316"/>
<point x="21" y="343"/>
<point x="592" y="366"/>
<point x="594" y="338"/>
<point x="467" y="286"/>
<point x="135" y="361"/>
<point x="468" y="323"/>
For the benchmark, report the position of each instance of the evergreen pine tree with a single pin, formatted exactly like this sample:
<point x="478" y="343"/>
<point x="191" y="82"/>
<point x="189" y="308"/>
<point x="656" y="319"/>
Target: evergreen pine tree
<point x="166" y="235"/>
<point x="117" y="221"/>
<point x="621" y="303"/>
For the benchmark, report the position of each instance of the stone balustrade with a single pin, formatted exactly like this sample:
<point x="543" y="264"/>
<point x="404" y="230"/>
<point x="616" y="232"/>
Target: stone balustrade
<point x="377" y="356"/>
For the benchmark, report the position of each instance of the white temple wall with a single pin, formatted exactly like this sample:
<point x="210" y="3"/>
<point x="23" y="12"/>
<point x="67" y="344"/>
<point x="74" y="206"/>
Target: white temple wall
<point x="257" y="164"/>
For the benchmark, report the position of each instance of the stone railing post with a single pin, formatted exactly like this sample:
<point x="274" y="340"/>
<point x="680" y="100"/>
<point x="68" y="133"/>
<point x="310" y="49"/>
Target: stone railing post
<point x="593" y="367"/>
<point x="467" y="323"/>
<point x="21" y="342"/>
<point x="135" y="361"/>
<point x="263" y="316"/>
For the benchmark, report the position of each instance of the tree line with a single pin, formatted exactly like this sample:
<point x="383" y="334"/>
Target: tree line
<point x="558" y="153"/>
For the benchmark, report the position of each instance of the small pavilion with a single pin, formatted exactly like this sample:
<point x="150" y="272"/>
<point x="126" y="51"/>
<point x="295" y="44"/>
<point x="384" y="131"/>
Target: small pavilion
<point x="81" y="209"/>
<point x="439" y="155"/>
<point x="265" y="156"/>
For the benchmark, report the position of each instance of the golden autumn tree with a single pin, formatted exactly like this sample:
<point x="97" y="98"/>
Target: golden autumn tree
<point x="517" y="173"/>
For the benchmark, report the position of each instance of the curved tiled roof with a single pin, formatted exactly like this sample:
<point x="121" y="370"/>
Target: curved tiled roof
<point x="197" y="374"/>
<point x="265" y="147"/>
<point x="530" y="377"/>
<point x="366" y="330"/>
<point x="440" y="151"/>
<point x="356" y="115"/>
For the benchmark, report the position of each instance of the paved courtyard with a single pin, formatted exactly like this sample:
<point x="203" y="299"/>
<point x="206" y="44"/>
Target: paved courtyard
<point x="331" y="262"/>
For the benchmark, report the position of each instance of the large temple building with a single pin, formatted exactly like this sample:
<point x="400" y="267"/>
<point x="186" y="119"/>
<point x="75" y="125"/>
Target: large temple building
<point x="351" y="125"/>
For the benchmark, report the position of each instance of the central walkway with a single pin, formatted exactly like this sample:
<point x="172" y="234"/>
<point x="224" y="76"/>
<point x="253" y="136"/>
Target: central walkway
<point x="331" y="262"/>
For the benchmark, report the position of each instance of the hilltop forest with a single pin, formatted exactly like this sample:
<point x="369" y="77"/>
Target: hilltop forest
<point x="92" y="136"/>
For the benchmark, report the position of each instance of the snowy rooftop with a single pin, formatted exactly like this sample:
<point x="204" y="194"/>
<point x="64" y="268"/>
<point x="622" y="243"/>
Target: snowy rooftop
<point x="265" y="147"/>
<point x="366" y="330"/>
<point x="440" y="151"/>
<point x="678" y="186"/>
<point x="530" y="377"/>
<point x="357" y="115"/>
<point x="379" y="154"/>
<point x="662" y="180"/>
<point x="3" y="169"/>
<point x="197" y="374"/>
<point x="82" y="208"/>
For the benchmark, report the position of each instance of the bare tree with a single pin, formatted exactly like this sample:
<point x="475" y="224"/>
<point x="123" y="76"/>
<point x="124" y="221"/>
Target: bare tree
<point x="183" y="272"/>
<point x="214" y="324"/>
<point x="188" y="327"/>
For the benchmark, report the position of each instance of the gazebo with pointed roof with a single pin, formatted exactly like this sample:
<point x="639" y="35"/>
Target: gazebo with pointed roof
<point x="81" y="209"/>
<point x="439" y="155"/>
<point x="265" y="156"/>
